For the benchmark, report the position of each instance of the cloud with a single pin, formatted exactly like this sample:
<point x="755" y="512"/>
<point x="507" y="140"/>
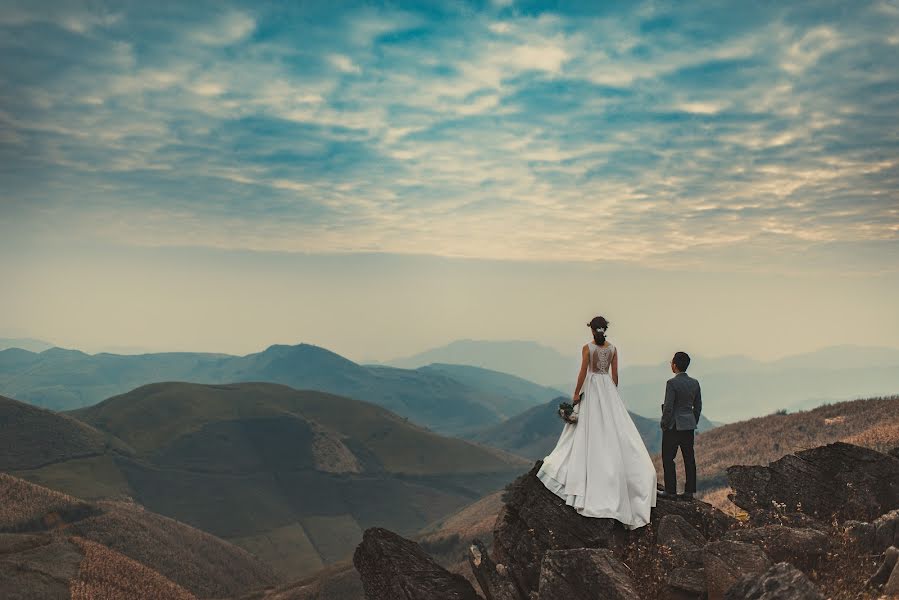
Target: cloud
<point x="639" y="132"/>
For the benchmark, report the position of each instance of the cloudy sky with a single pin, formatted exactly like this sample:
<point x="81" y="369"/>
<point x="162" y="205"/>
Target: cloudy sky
<point x="380" y="178"/>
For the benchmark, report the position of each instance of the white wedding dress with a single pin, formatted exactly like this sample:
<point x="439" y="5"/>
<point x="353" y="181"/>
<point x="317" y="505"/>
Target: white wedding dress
<point x="600" y="465"/>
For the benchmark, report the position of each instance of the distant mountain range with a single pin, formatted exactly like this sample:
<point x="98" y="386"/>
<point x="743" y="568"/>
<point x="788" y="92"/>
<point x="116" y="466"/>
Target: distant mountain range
<point x="293" y="477"/>
<point x="525" y="359"/>
<point x="464" y="386"/>
<point x="534" y="433"/>
<point x="29" y="344"/>
<point x="444" y="398"/>
<point x="734" y="387"/>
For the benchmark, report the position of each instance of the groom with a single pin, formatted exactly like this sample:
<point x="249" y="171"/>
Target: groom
<point x="680" y="415"/>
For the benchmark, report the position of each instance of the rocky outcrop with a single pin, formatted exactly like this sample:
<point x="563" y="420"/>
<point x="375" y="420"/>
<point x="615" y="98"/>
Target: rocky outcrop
<point x="682" y="541"/>
<point x="802" y="547"/>
<point x="535" y="521"/>
<point x="543" y="549"/>
<point x="781" y="582"/>
<point x="887" y="567"/>
<point x="394" y="568"/>
<point x="727" y="561"/>
<point x="600" y="576"/>
<point x="838" y="481"/>
<point x="493" y="578"/>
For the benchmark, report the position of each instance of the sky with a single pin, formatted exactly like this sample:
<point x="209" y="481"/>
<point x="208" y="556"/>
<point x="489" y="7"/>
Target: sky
<point x="382" y="178"/>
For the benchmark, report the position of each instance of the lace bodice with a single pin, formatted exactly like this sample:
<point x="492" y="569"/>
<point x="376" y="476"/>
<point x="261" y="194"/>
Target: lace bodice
<point x="600" y="357"/>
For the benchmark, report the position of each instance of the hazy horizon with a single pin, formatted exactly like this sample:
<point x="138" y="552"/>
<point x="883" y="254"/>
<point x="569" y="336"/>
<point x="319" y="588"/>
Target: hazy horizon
<point x="380" y="179"/>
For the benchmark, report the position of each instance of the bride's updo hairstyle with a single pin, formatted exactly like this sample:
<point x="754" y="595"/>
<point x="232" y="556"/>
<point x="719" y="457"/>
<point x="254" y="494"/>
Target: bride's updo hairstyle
<point x="598" y="326"/>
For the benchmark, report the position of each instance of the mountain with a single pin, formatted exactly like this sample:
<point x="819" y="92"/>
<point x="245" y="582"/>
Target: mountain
<point x="155" y="550"/>
<point x="525" y="359"/>
<point x="534" y="432"/>
<point x="68" y="379"/>
<point x="290" y="476"/>
<point x="29" y="344"/>
<point x="512" y="394"/>
<point x="734" y="387"/>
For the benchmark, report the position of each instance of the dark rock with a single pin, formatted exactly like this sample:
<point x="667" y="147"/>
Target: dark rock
<point x="891" y="588"/>
<point x="886" y="531"/>
<point x="781" y="582"/>
<point x="710" y="522"/>
<point x="727" y="561"/>
<point x="493" y="578"/>
<point x="534" y="521"/>
<point x="394" y="568"/>
<point x="691" y="581"/>
<point x="838" y="481"/>
<point x="801" y="547"/>
<point x="862" y="535"/>
<point x="684" y="543"/>
<point x="890" y="558"/>
<point x="585" y="574"/>
<point x="894" y="452"/>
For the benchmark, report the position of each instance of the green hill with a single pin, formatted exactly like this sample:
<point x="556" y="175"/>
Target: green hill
<point x="292" y="476"/>
<point x="68" y="379"/>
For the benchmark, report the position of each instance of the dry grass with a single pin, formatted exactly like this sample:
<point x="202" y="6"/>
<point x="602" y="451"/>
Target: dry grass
<point x="107" y="575"/>
<point x="28" y="507"/>
<point x="873" y="423"/>
<point x="201" y="562"/>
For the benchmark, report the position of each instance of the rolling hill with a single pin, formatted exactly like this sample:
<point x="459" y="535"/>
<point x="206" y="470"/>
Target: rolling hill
<point x="534" y="432"/>
<point x="167" y="550"/>
<point x="513" y="394"/>
<point x="873" y="423"/>
<point x="525" y="359"/>
<point x="68" y="379"/>
<point x="292" y="476"/>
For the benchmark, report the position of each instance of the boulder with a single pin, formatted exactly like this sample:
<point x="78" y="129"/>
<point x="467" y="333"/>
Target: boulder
<point x="802" y="547"/>
<point x="726" y="561"/>
<point x="394" y="568"/>
<point x="891" y="588"/>
<point x="686" y="582"/>
<point x="781" y="582"/>
<point x="861" y="534"/>
<point x="838" y="481"/>
<point x="683" y="542"/>
<point x="585" y="574"/>
<point x="886" y="531"/>
<point x="534" y="521"/>
<point x="493" y="578"/>
<point x="890" y="558"/>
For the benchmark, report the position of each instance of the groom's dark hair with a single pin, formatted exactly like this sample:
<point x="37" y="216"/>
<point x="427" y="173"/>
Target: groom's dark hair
<point x="681" y="360"/>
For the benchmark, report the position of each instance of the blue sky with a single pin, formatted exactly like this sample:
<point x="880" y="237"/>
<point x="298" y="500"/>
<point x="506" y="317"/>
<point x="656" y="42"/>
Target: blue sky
<point x="740" y="136"/>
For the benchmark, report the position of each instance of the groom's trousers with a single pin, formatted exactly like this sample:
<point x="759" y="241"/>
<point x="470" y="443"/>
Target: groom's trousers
<point x="672" y="439"/>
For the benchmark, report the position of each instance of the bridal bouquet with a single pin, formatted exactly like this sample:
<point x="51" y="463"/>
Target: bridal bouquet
<point x="566" y="412"/>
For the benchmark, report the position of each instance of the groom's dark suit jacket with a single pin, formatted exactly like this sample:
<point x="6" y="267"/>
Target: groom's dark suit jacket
<point x="683" y="403"/>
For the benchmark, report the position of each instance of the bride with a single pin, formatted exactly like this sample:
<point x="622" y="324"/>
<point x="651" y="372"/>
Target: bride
<point x="600" y="465"/>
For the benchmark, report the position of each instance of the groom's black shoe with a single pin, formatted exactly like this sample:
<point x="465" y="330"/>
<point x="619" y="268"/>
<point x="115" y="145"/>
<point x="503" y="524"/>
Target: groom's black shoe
<point x="664" y="494"/>
<point x="685" y="496"/>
